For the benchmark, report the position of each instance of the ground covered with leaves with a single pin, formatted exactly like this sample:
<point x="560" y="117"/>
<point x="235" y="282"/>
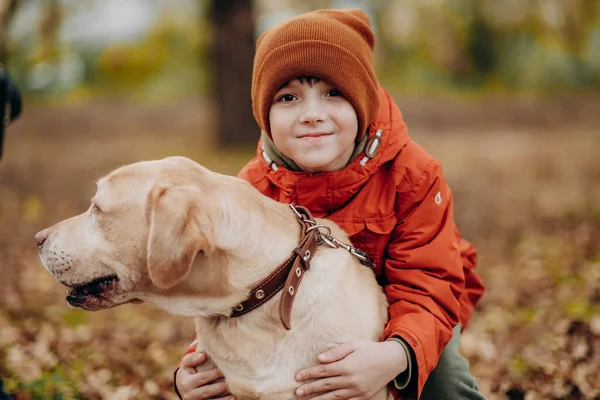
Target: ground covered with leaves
<point x="527" y="194"/>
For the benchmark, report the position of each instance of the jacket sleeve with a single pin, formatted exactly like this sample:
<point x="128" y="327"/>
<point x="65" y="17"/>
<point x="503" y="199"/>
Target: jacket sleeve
<point x="424" y="271"/>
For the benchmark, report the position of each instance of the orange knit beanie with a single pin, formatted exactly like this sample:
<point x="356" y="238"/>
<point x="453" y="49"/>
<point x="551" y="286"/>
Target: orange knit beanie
<point x="333" y="45"/>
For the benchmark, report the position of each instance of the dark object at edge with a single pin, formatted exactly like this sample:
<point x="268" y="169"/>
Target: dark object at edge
<point x="10" y="103"/>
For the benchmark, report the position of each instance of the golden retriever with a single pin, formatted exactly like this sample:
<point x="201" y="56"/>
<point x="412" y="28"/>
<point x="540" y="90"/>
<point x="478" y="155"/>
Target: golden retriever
<point x="193" y="242"/>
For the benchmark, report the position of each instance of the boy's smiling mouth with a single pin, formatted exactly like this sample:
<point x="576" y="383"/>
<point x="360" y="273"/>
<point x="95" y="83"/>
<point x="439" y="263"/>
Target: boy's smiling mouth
<point x="314" y="135"/>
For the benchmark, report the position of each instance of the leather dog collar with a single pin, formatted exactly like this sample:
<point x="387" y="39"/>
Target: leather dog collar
<point x="288" y="275"/>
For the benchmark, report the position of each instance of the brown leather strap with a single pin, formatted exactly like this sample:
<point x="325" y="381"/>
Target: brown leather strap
<point x="288" y="275"/>
<point x="304" y="254"/>
<point x="265" y="289"/>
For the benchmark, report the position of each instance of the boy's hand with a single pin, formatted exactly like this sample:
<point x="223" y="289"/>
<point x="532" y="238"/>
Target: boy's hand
<point x="193" y="385"/>
<point x="355" y="370"/>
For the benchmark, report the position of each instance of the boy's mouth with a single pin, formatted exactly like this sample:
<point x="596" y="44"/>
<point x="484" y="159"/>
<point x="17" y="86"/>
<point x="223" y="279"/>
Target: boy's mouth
<point x="314" y="135"/>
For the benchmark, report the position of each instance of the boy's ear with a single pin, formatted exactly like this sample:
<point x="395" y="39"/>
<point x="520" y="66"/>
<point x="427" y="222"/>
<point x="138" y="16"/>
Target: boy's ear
<point x="175" y="236"/>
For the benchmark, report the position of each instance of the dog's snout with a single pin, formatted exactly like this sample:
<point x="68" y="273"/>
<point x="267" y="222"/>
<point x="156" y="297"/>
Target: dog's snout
<point x="41" y="237"/>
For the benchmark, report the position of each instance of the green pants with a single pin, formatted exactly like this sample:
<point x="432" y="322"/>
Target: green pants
<point x="451" y="379"/>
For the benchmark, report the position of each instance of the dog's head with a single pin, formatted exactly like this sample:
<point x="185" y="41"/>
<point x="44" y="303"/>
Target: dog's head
<point x="146" y="226"/>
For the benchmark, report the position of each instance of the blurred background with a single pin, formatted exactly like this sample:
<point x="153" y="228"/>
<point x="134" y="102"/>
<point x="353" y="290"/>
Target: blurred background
<point x="504" y="93"/>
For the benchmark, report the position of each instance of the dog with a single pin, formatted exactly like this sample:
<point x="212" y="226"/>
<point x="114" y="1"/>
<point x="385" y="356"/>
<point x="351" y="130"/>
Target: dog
<point x="192" y="242"/>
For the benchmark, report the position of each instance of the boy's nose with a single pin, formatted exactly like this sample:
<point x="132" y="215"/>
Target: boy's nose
<point x="311" y="113"/>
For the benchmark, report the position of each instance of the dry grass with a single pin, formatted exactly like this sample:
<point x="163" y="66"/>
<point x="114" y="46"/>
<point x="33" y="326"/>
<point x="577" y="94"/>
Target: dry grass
<point x="529" y="200"/>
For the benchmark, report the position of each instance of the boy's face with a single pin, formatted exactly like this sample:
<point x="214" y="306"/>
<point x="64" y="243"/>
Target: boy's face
<point x="314" y="125"/>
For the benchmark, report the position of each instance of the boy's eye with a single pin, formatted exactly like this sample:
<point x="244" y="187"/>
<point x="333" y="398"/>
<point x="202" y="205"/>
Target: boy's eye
<point x="286" y="98"/>
<point x="334" y="93"/>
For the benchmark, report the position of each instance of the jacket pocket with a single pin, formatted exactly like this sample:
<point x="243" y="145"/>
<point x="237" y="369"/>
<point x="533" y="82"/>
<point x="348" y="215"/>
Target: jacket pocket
<point x="374" y="237"/>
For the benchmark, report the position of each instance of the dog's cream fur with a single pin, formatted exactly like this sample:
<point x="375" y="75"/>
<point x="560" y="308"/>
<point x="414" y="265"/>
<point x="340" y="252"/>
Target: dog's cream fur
<point x="194" y="242"/>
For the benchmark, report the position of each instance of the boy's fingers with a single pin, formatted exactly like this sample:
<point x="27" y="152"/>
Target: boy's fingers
<point x="337" y="353"/>
<point x="203" y="377"/>
<point x="209" y="391"/>
<point x="193" y="360"/>
<point x="319" y="371"/>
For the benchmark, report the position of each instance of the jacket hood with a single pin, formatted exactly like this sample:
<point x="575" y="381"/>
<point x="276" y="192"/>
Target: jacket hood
<point x="325" y="192"/>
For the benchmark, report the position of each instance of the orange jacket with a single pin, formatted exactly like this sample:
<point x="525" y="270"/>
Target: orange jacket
<point x="397" y="207"/>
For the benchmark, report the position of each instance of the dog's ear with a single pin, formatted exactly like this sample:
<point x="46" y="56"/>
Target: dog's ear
<point x="179" y="230"/>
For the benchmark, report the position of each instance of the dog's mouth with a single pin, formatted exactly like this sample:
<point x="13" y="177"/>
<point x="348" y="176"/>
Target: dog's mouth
<point x="96" y="294"/>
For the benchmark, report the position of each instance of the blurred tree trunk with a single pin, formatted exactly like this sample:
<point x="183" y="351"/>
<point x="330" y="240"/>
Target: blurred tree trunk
<point x="48" y="29"/>
<point x="7" y="11"/>
<point x="232" y="55"/>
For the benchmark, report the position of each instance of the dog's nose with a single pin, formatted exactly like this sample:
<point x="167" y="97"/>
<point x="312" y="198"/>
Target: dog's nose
<point x="41" y="237"/>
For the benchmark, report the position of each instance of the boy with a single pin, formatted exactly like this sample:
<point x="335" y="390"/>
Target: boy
<point x="335" y="142"/>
